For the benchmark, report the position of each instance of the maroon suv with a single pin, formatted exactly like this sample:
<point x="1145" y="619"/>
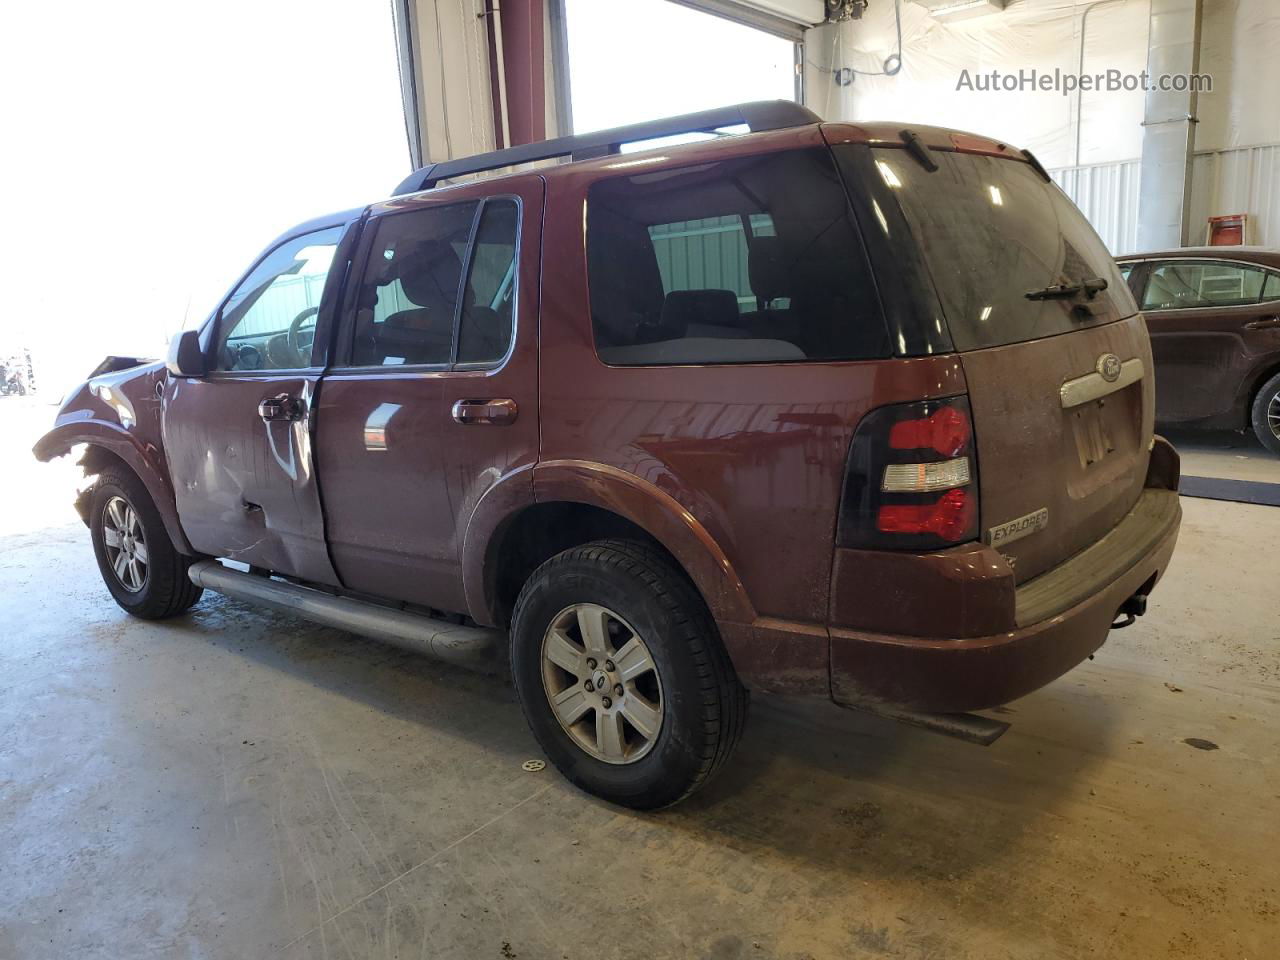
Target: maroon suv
<point x="852" y="411"/>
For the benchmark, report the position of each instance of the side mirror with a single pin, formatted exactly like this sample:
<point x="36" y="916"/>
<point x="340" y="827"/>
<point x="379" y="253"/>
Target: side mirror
<point x="186" y="359"/>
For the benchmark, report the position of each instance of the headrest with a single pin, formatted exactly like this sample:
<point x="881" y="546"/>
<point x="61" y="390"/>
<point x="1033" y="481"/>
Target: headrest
<point x="429" y="274"/>
<point x="767" y="269"/>
<point x="683" y="307"/>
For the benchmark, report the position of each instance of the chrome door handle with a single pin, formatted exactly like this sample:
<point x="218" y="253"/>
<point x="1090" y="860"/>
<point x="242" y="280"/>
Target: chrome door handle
<point x="1264" y="324"/>
<point x="282" y="407"/>
<point x="498" y="411"/>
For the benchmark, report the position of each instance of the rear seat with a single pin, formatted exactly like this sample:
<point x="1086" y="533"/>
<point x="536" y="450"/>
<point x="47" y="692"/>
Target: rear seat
<point x="703" y="313"/>
<point x="702" y="350"/>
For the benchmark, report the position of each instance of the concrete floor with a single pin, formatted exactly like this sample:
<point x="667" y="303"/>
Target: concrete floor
<point x="1227" y="454"/>
<point x="240" y="784"/>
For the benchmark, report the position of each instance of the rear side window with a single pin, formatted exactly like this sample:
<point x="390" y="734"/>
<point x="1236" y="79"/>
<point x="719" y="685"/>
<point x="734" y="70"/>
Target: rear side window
<point x="1177" y="284"/>
<point x="742" y="261"/>
<point x="488" y="301"/>
<point x="992" y="230"/>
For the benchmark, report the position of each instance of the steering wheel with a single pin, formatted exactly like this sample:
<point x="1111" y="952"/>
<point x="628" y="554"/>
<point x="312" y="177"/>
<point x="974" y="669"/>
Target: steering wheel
<point x="302" y="354"/>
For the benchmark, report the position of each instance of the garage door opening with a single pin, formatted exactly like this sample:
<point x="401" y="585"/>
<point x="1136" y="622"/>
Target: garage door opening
<point x="645" y="59"/>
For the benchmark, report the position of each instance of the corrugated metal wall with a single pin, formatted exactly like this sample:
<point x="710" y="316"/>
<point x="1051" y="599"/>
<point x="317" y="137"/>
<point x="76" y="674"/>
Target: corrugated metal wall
<point x="1107" y="193"/>
<point x="1244" y="180"/>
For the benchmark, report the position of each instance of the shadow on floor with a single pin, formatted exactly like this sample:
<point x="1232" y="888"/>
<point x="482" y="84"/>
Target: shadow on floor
<point x="813" y="784"/>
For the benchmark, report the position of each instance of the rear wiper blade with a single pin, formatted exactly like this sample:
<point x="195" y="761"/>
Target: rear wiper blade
<point x="1090" y="287"/>
<point x="918" y="149"/>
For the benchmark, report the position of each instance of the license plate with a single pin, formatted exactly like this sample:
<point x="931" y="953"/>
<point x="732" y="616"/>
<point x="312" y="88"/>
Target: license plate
<point x="1093" y="439"/>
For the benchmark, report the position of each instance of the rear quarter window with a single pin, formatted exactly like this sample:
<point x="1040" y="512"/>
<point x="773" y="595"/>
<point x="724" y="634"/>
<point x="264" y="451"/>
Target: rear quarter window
<point x="991" y="230"/>
<point x="750" y="260"/>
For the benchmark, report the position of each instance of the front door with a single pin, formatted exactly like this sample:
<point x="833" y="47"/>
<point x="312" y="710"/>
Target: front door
<point x="1204" y="317"/>
<point x="239" y="440"/>
<point x="434" y="397"/>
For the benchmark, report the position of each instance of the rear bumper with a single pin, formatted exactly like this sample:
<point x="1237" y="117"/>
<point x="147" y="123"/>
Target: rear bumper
<point x="1061" y="618"/>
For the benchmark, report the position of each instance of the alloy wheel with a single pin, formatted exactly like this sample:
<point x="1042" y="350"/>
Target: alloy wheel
<point x="602" y="683"/>
<point x="1273" y="415"/>
<point x="126" y="548"/>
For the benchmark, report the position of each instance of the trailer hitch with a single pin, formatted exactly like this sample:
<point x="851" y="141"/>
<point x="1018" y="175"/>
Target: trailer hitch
<point x="1130" y="611"/>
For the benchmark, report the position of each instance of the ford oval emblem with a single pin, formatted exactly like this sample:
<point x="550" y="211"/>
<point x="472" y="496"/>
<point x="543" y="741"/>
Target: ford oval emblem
<point x="1109" y="367"/>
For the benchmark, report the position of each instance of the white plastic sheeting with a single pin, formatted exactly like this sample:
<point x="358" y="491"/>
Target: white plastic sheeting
<point x="1239" y="40"/>
<point x="1040" y="35"/>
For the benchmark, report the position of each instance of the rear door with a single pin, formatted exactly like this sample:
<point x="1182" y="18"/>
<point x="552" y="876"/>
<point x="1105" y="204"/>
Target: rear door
<point x="434" y="398"/>
<point x="239" y="440"/>
<point x="1209" y="320"/>
<point x="1059" y="382"/>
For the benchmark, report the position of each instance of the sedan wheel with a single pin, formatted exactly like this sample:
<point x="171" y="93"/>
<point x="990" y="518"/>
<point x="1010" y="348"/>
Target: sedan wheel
<point x="125" y="545"/>
<point x="1266" y="414"/>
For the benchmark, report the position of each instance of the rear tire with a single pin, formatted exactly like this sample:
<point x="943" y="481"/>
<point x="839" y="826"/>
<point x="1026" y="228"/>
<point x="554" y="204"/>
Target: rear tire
<point x="146" y="575"/>
<point x="672" y="675"/>
<point x="1266" y="414"/>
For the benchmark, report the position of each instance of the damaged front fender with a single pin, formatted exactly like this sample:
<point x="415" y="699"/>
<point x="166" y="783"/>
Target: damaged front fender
<point x="116" y="413"/>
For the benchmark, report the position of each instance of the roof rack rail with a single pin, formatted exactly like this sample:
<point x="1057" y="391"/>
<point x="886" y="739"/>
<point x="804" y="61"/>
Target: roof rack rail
<point x="757" y="116"/>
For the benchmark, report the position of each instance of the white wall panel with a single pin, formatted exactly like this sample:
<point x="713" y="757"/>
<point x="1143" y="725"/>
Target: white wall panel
<point x="1244" y="180"/>
<point x="452" y="65"/>
<point x="1107" y="194"/>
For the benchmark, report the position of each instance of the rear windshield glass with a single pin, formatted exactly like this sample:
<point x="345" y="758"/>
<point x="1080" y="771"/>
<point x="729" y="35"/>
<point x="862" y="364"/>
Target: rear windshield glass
<point x="991" y="231"/>
<point x="752" y="260"/>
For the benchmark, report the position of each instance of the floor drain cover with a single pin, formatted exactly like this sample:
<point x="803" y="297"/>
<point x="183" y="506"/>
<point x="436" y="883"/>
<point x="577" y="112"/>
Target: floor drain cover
<point x="533" y="766"/>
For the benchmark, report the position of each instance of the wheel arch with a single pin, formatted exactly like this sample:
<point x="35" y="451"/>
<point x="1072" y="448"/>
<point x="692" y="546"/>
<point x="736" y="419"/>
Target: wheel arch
<point x="109" y="444"/>
<point x="567" y="503"/>
<point x="1256" y="382"/>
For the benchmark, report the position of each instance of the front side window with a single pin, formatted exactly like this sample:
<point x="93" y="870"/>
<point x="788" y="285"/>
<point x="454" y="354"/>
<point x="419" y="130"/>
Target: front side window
<point x="741" y="261"/>
<point x="268" y="322"/>
<point x="413" y="307"/>
<point x="1178" y="284"/>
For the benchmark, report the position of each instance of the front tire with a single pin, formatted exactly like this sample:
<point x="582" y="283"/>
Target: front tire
<point x="146" y="575"/>
<point x="622" y="676"/>
<point x="1266" y="414"/>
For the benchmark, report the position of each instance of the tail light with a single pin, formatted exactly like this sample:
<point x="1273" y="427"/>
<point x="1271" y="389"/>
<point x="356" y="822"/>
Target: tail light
<point x="911" y="480"/>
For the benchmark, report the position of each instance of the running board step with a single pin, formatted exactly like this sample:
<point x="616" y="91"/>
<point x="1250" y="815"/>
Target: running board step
<point x="970" y="727"/>
<point x="474" y="647"/>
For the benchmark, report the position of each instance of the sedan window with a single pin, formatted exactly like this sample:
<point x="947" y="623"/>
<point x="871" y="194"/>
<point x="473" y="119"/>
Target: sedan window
<point x="1179" y="284"/>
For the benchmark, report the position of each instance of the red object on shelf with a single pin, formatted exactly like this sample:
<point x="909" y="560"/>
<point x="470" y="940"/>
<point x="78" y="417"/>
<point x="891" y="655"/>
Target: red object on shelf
<point x="1228" y="230"/>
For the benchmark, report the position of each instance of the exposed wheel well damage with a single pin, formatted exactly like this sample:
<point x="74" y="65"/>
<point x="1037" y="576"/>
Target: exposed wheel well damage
<point x="93" y="461"/>
<point x="539" y="532"/>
